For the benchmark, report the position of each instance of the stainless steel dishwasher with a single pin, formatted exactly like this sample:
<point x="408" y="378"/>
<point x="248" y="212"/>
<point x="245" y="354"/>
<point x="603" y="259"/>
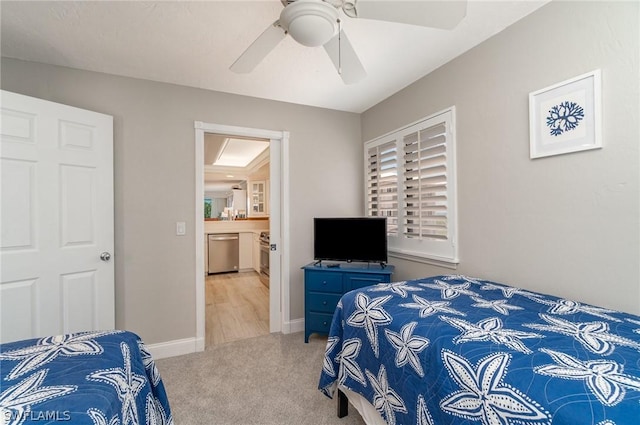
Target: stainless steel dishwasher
<point x="224" y="252"/>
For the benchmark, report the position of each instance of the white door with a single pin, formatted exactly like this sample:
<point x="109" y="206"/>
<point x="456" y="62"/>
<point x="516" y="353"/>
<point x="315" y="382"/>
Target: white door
<point x="56" y="166"/>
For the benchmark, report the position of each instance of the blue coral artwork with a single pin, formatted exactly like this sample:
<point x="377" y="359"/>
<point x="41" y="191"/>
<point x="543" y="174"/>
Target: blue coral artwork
<point x="564" y="117"/>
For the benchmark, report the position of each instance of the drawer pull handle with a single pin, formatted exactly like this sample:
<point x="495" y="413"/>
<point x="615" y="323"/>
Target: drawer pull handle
<point x="324" y="323"/>
<point x="324" y="303"/>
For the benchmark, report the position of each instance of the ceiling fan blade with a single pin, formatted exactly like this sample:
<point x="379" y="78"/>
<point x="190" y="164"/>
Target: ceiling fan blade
<point x="259" y="49"/>
<point x="345" y="59"/>
<point x="444" y="14"/>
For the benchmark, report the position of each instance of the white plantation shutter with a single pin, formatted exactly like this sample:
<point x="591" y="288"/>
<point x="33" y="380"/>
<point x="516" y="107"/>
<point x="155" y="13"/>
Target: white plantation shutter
<point x="418" y="190"/>
<point x="382" y="183"/>
<point x="425" y="183"/>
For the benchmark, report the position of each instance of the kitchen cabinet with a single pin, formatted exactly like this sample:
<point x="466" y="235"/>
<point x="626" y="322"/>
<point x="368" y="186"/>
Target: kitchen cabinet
<point x="258" y="198"/>
<point x="246" y="251"/>
<point x="256" y="252"/>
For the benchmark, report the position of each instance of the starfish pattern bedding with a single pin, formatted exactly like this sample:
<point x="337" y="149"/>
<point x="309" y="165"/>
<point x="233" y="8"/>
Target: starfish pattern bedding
<point x="92" y="378"/>
<point x="460" y="350"/>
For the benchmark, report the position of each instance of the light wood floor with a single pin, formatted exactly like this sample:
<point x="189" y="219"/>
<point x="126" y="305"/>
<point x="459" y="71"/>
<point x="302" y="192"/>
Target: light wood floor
<point x="237" y="307"/>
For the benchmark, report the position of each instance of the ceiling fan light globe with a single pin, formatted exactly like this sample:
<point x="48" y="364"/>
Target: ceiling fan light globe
<point x="310" y="23"/>
<point x="311" y="31"/>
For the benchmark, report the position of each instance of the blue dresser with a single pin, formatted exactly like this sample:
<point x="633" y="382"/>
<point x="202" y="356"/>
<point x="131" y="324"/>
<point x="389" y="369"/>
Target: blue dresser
<point x="323" y="287"/>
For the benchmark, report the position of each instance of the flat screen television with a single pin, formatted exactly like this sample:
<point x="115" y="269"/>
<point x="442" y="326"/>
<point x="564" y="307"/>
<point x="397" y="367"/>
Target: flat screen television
<point x="350" y="239"/>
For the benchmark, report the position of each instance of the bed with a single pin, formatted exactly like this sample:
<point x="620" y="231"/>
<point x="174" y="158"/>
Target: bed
<point x="459" y="350"/>
<point x="93" y="378"/>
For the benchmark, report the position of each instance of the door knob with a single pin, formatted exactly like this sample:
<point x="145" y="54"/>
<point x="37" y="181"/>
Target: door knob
<point x="105" y="256"/>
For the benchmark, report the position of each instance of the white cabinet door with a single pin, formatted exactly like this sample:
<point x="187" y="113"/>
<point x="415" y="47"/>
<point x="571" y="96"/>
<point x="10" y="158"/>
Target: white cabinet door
<point x="256" y="252"/>
<point x="258" y="198"/>
<point x="56" y="166"/>
<point x="246" y="251"/>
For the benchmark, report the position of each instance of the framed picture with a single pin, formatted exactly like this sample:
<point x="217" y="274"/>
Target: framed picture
<point x="566" y="117"/>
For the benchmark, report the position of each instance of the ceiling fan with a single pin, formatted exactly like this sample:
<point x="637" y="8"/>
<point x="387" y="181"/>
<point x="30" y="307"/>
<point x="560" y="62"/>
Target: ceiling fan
<point x="317" y="23"/>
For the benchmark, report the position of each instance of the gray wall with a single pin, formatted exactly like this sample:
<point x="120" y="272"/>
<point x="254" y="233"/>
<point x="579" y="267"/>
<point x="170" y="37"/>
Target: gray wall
<point x="566" y="225"/>
<point x="154" y="168"/>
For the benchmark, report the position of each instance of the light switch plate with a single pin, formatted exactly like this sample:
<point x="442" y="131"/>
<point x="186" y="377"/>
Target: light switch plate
<point x="181" y="228"/>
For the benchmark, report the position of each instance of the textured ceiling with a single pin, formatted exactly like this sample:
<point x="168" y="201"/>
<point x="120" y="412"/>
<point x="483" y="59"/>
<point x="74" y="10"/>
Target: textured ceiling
<point x="194" y="43"/>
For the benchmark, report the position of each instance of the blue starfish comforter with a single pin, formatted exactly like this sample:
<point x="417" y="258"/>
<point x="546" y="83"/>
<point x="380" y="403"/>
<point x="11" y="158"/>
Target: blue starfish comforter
<point x="458" y="350"/>
<point x="93" y="378"/>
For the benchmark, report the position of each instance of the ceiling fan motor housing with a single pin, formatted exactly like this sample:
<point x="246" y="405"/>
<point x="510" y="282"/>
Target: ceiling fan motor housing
<point x="311" y="23"/>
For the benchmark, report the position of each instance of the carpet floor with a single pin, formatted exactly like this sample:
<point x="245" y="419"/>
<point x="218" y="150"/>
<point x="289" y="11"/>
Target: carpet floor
<point x="271" y="379"/>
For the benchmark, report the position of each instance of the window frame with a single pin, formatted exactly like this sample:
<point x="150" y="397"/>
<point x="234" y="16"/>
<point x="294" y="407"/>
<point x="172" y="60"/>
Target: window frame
<point x="421" y="249"/>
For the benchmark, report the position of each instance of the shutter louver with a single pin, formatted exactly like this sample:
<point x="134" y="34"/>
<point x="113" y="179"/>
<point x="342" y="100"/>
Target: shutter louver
<point x="382" y="184"/>
<point x="425" y="183"/>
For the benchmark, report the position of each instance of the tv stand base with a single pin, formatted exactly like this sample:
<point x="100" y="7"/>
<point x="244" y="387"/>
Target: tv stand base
<point x="324" y="285"/>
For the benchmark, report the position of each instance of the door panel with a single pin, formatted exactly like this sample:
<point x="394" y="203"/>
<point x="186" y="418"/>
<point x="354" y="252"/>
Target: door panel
<point x="56" y="166"/>
<point x="18" y="126"/>
<point x="74" y="135"/>
<point x="18" y="222"/>
<point x="77" y="205"/>
<point x="79" y="301"/>
<point x="18" y="299"/>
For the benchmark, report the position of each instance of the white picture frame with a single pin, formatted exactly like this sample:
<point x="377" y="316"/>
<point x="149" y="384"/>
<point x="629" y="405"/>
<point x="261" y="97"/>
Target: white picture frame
<point x="566" y="117"/>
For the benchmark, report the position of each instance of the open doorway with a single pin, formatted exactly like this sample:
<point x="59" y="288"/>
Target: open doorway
<point x="236" y="214"/>
<point x="278" y="223"/>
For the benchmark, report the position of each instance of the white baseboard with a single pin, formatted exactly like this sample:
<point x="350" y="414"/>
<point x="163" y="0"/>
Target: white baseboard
<point x="176" y="347"/>
<point x="179" y="347"/>
<point x="293" y="326"/>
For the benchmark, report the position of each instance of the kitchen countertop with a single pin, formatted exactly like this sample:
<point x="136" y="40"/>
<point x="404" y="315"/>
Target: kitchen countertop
<point x="256" y="232"/>
<point x="239" y="219"/>
<point x="236" y="226"/>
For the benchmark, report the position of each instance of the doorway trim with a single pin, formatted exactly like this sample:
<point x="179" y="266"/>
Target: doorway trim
<point x="278" y="222"/>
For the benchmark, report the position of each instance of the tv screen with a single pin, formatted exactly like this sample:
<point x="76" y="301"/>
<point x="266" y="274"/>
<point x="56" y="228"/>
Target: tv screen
<point x="350" y="239"/>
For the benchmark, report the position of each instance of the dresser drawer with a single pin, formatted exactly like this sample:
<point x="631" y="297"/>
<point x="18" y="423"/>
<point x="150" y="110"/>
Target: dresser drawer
<point x="360" y="280"/>
<point x="318" y="301"/>
<point x="324" y="286"/>
<point x="319" y="322"/>
<point x="323" y="282"/>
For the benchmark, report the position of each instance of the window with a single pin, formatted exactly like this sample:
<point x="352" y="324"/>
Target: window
<point x="382" y="183"/>
<point x="410" y="179"/>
